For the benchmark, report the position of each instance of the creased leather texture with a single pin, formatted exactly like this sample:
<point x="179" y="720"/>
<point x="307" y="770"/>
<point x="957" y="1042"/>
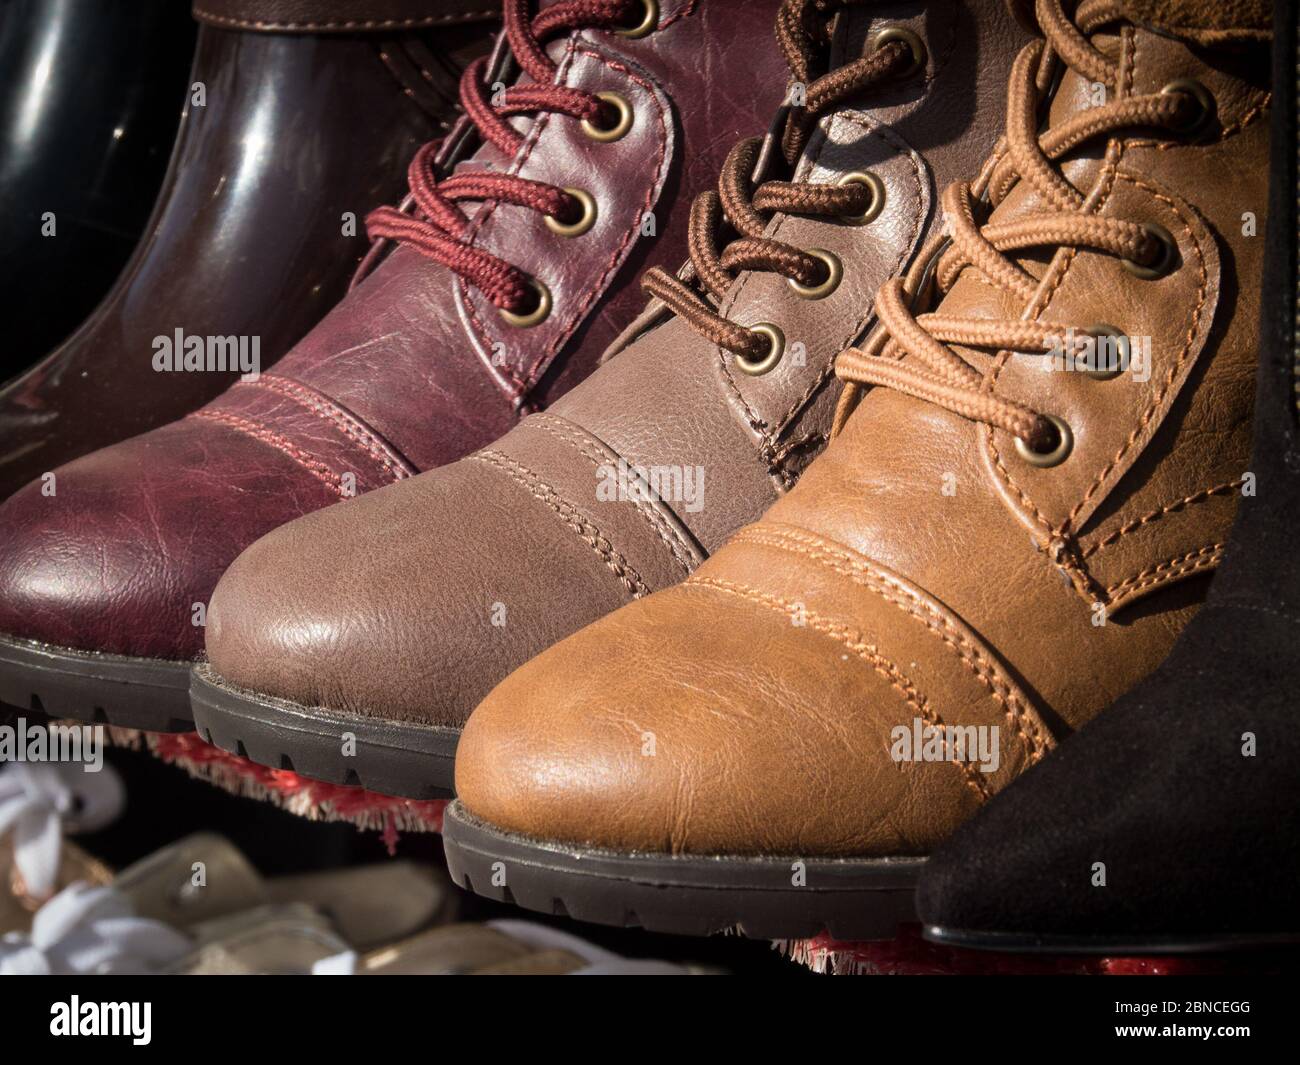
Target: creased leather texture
<point x="412" y="603"/>
<point x="923" y="572"/>
<point x="247" y="236"/>
<point x="412" y="370"/>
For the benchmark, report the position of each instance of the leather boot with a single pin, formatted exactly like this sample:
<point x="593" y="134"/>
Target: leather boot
<point x="89" y="99"/>
<point x="1170" y="823"/>
<point x="299" y="118"/>
<point x="495" y="289"/>
<point x="390" y="619"/>
<point x="1009" y="529"/>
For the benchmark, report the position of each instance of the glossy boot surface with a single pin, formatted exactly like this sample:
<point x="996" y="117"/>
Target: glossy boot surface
<point x="286" y="141"/>
<point x="90" y="95"/>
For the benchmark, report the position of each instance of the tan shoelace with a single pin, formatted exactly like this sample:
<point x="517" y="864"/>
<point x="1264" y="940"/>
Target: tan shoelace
<point x="934" y="372"/>
<point x="803" y="31"/>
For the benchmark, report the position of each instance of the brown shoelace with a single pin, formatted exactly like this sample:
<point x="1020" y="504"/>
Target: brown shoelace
<point x="933" y="371"/>
<point x="803" y="31"/>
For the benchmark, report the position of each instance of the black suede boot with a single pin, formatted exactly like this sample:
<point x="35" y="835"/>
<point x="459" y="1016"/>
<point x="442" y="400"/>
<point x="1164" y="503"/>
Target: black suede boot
<point x="1172" y="822"/>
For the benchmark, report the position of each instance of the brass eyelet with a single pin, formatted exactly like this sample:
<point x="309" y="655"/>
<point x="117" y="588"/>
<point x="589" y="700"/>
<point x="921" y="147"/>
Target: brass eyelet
<point x="775" y="349"/>
<point x="903" y="36"/>
<point x="537" y="315"/>
<point x="834" y="275"/>
<point x="585" y="220"/>
<point x="649" y="21"/>
<point x="619" y="129"/>
<point x="1123" y="353"/>
<point x="1058" y="454"/>
<point x="1204" y="100"/>
<point x="877" y="204"/>
<point x="1168" y="254"/>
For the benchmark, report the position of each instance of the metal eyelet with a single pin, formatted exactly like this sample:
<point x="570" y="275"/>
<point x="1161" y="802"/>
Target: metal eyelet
<point x="537" y="315"/>
<point x="619" y="129"/>
<point x="1044" y="459"/>
<point x="1204" y="100"/>
<point x="649" y="21"/>
<point x="903" y="36"/>
<point x="1123" y="353"/>
<point x="775" y="349"/>
<point x="1168" y="254"/>
<point x="877" y="204"/>
<point x="834" y="275"/>
<point x="585" y="220"/>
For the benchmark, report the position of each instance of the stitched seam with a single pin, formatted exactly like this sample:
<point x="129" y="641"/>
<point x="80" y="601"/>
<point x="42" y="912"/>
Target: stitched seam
<point x="531" y="374"/>
<point x="1171" y="508"/>
<point x="585" y="529"/>
<point x="1227" y="131"/>
<point x="1174" y="369"/>
<point x="274" y="440"/>
<point x="1170" y="570"/>
<point x="480" y="219"/>
<point x="347" y="424"/>
<point x="853" y="641"/>
<point x="338" y="24"/>
<point x="969" y="653"/>
<point x="1078" y="577"/>
<point x="662" y="528"/>
<point x="907" y="249"/>
<point x="757" y="424"/>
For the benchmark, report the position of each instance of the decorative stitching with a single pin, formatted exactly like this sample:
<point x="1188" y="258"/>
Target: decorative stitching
<point x="1172" y="373"/>
<point x="348" y="24"/>
<point x="273" y="439"/>
<point x="853" y="640"/>
<point x="586" y="530"/>
<point x="1156" y="515"/>
<point x="758" y="424"/>
<point x="859" y="570"/>
<point x="1227" y="131"/>
<point x="1166" y="572"/>
<point x="347" y="423"/>
<point x="596" y="289"/>
<point x="1103" y="188"/>
<point x="684" y="553"/>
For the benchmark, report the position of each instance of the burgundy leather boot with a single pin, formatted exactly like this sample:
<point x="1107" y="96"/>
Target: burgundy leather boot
<point x="506" y="273"/>
<point x="297" y="117"/>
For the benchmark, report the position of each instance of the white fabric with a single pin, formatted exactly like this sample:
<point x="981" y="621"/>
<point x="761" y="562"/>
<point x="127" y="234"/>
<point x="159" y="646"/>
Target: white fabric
<point x="40" y="801"/>
<point x="90" y="930"/>
<point x="344" y="964"/>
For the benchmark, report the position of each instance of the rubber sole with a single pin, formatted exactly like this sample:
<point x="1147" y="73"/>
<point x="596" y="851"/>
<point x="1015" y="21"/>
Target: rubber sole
<point x="100" y="689"/>
<point x="852" y="899"/>
<point x="1115" y="946"/>
<point x="389" y="757"/>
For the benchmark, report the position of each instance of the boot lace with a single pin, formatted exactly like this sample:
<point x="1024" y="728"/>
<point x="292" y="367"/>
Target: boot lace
<point x="803" y="30"/>
<point x="440" y="228"/>
<point x="934" y="371"/>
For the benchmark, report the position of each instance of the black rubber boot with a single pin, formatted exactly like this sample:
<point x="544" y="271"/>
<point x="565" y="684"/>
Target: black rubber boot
<point x="1172" y="822"/>
<point x="90" y="98"/>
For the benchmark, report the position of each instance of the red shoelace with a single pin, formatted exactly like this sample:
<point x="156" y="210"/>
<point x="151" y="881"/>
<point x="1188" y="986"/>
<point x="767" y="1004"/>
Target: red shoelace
<point x="439" y="228"/>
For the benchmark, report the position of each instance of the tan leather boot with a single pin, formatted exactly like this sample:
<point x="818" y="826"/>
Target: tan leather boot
<point x="1007" y="533"/>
